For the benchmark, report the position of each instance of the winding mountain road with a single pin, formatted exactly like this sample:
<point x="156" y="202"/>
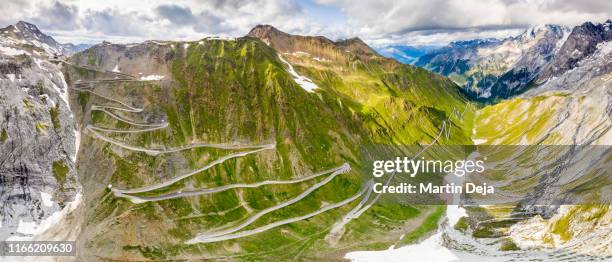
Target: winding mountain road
<point x="120" y="192"/>
<point x="120" y="118"/>
<point x="128" y="108"/>
<point x="141" y="199"/>
<point x="362" y="207"/>
<point x="113" y="130"/>
<point x="210" y="239"/>
<point x="250" y="220"/>
<point x="155" y="152"/>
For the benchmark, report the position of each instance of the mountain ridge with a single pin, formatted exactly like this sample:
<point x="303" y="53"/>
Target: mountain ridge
<point x="317" y="45"/>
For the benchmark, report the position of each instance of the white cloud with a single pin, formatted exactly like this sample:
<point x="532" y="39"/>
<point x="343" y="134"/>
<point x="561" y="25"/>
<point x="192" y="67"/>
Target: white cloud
<point x="376" y="21"/>
<point x="439" y="37"/>
<point x="128" y="21"/>
<point x="375" y="17"/>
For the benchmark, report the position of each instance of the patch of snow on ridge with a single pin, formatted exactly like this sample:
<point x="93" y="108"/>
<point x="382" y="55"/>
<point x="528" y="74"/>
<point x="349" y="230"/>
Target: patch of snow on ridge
<point x="77" y="144"/>
<point x="304" y="82"/>
<point x="28" y="228"/>
<point x="151" y="77"/>
<point x="116" y="69"/>
<point x="221" y="38"/>
<point x="11" y="51"/>
<point x="62" y="92"/>
<point x="31" y="229"/>
<point x="46" y="199"/>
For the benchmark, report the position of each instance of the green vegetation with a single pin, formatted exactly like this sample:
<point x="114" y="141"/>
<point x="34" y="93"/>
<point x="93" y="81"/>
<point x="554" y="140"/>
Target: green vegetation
<point x="508" y="245"/>
<point x="429" y="224"/>
<point x="226" y="91"/>
<point x="582" y="213"/>
<point x="53" y="112"/>
<point x="484" y="232"/>
<point x="3" y="135"/>
<point x="83" y="97"/>
<point x="60" y="171"/>
<point x="462" y="224"/>
<point x="28" y="104"/>
<point x="41" y="127"/>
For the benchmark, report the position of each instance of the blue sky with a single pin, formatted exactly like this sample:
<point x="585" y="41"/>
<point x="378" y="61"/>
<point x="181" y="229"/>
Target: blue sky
<point x="378" y="22"/>
<point x="325" y="14"/>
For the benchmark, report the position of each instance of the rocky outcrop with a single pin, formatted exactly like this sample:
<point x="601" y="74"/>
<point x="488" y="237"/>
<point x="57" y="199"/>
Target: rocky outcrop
<point x="580" y="44"/>
<point x="38" y="138"/>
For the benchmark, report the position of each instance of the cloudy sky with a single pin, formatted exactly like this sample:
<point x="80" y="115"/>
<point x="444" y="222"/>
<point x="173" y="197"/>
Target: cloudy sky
<point x="379" y="22"/>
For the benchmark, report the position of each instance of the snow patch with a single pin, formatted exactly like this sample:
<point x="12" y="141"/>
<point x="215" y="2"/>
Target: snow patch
<point x="11" y="51"/>
<point x="151" y="77"/>
<point x="27" y="228"/>
<point x="46" y="199"/>
<point x="77" y="144"/>
<point x="428" y="250"/>
<point x="116" y="69"/>
<point x="478" y="141"/>
<point x="320" y="59"/>
<point x="32" y="229"/>
<point x="63" y="92"/>
<point x="221" y="38"/>
<point x="304" y="82"/>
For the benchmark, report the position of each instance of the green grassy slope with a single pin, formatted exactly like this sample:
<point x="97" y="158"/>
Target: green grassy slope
<point x="240" y="91"/>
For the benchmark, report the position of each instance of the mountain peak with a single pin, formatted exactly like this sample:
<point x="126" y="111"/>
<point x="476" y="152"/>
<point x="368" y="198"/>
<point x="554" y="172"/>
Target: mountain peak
<point x="534" y="30"/>
<point x="318" y="46"/>
<point x="26" y="32"/>
<point x="264" y="30"/>
<point x="356" y="45"/>
<point x="26" y="25"/>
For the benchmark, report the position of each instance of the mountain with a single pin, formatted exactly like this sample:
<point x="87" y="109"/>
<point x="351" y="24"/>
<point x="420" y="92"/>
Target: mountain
<point x="580" y="44"/>
<point x="71" y="48"/>
<point x="568" y="103"/>
<point x="254" y="148"/>
<point x="287" y="106"/>
<point x="25" y="36"/>
<point x="316" y="46"/>
<point x="38" y="138"/>
<point x="490" y="69"/>
<point x="404" y="53"/>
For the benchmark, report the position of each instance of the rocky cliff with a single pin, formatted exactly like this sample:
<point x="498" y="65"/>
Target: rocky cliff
<point x="38" y="135"/>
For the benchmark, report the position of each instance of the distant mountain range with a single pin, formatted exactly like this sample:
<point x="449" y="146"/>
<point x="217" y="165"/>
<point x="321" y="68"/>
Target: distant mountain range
<point x="406" y="54"/>
<point x="490" y="69"/>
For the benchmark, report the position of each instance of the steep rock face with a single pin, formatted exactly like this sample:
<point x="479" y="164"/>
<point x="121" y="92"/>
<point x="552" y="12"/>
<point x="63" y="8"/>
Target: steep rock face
<point x="581" y="43"/>
<point x="148" y="59"/>
<point x="38" y="137"/>
<point x="490" y="69"/>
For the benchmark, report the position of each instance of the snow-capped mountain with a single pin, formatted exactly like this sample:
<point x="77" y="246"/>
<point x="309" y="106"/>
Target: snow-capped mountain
<point x="26" y="36"/>
<point x="583" y="41"/>
<point x="491" y="68"/>
<point x="38" y="136"/>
